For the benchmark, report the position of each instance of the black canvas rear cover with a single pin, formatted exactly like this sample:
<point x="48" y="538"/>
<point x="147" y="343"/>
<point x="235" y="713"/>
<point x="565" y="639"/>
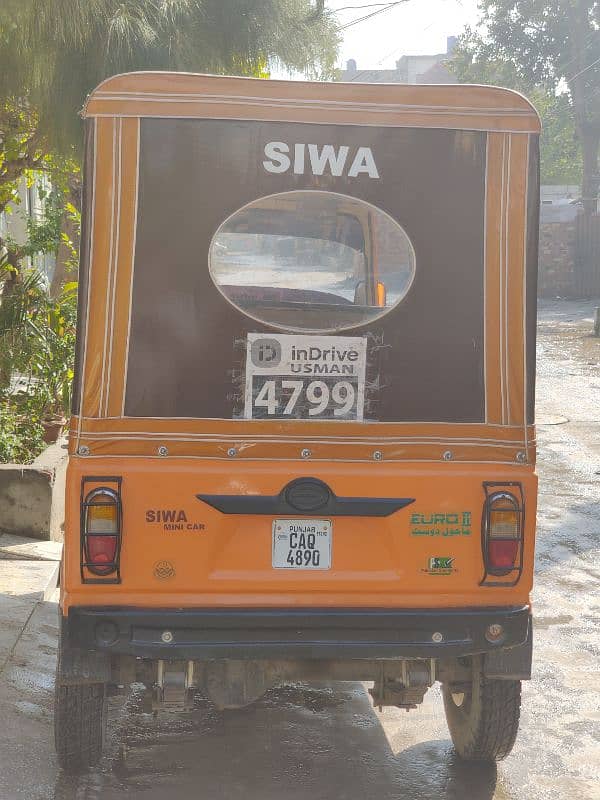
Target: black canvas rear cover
<point x="187" y="342"/>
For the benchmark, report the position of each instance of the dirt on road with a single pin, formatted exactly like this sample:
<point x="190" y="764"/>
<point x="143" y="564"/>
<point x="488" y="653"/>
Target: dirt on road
<point x="326" y="742"/>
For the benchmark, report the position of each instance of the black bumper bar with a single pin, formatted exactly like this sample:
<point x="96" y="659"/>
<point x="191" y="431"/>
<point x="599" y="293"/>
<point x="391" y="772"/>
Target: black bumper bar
<point x="308" y="633"/>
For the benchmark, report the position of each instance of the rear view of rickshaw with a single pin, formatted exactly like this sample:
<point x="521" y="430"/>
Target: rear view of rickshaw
<point x="302" y="445"/>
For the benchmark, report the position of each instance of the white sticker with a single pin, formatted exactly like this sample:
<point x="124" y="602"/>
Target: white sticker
<point x="291" y="376"/>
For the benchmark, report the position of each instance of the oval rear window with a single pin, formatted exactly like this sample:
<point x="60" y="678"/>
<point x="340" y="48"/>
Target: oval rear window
<point x="312" y="261"/>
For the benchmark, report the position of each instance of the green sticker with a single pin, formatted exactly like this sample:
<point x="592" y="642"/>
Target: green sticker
<point x="440" y="565"/>
<point x="438" y="524"/>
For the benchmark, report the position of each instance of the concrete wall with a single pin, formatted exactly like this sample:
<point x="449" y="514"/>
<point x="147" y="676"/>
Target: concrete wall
<point x="32" y="498"/>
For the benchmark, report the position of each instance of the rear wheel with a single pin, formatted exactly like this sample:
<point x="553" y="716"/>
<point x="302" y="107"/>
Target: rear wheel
<point x="79" y="720"/>
<point x="483" y="715"/>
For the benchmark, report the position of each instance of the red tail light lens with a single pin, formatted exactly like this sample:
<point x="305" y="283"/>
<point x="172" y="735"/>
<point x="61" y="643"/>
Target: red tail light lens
<point x="503" y="554"/>
<point x="101" y="552"/>
<point x="101" y="523"/>
<point x="502" y="532"/>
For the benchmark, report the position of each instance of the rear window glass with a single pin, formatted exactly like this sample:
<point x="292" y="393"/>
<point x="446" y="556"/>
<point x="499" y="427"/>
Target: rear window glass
<point x="312" y="261"/>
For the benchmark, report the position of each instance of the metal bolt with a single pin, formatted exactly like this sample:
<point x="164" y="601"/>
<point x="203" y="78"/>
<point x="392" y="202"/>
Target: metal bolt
<point x="163" y="451"/>
<point x="437" y="637"/>
<point x="232" y="452"/>
<point x="521" y="456"/>
<point x="494" y="632"/>
<point x="378" y="455"/>
<point x="167" y="637"/>
<point x="447" y="455"/>
<point x="83" y="450"/>
<point x="306" y="453"/>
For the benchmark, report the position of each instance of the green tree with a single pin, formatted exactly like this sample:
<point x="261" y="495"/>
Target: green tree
<point x="21" y="147"/>
<point x="546" y="47"/>
<point x="23" y="158"/>
<point x="52" y="54"/>
<point x="21" y="153"/>
<point x="560" y="152"/>
<point x="59" y="51"/>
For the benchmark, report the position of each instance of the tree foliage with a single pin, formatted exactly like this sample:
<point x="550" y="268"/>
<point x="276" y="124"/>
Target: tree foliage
<point x="21" y="147"/>
<point x="59" y="50"/>
<point x="23" y="158"/>
<point x="560" y="151"/>
<point x="548" y="47"/>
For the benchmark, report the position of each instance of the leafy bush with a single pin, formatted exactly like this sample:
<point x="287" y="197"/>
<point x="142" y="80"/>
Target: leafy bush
<point x="37" y="344"/>
<point x="21" y="433"/>
<point x="51" y="362"/>
<point x="37" y="324"/>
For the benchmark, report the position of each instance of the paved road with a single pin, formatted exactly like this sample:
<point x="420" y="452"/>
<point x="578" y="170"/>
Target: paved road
<point x="326" y="741"/>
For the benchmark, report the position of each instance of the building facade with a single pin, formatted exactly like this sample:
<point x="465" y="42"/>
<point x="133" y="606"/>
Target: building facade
<point x="409" y="69"/>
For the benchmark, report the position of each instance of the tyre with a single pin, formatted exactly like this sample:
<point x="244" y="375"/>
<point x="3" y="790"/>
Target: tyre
<point x="483" y="715"/>
<point x="79" y="720"/>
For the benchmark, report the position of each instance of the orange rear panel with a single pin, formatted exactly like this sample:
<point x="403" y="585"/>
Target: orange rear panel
<point x="161" y="396"/>
<point x="178" y="551"/>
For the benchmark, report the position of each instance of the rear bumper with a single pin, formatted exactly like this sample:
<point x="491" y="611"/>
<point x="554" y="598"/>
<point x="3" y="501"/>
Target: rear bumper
<point x="302" y="633"/>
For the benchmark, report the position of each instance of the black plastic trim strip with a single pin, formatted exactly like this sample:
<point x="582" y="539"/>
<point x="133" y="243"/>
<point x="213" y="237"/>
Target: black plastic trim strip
<point x="295" y="499"/>
<point x="276" y="506"/>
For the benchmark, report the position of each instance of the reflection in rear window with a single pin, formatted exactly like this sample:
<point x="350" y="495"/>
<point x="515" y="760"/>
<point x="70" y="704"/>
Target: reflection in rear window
<point x="311" y="260"/>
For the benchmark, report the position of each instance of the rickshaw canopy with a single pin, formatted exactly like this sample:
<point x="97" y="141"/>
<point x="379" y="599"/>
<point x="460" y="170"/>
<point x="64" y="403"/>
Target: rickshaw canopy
<point x="377" y="242"/>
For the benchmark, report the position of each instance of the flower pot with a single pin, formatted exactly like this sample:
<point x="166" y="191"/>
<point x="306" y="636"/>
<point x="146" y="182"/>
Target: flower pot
<point x="53" y="428"/>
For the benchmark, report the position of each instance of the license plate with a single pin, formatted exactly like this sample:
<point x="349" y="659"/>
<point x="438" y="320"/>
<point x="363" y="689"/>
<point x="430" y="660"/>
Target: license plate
<point x="301" y="544"/>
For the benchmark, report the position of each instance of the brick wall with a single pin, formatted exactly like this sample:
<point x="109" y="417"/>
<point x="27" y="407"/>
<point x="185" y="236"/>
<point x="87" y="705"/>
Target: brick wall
<point x="556" y="270"/>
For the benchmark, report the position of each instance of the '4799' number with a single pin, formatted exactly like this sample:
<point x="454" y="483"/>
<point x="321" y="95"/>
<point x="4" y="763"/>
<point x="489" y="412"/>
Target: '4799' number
<point x="286" y="397"/>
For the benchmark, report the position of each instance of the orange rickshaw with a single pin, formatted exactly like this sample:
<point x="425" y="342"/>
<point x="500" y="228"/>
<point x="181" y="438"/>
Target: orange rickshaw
<point x="302" y="444"/>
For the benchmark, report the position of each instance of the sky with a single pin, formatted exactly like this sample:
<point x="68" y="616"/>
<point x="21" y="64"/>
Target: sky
<point x="413" y="27"/>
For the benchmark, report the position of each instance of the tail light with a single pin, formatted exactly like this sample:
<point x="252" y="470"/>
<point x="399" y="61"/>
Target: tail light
<point x="502" y="533"/>
<point x="101" y="529"/>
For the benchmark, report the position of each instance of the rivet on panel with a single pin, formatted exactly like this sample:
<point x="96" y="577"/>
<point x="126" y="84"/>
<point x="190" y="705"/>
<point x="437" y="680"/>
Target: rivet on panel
<point x="447" y="455"/>
<point x="162" y="450"/>
<point x="232" y="452"/>
<point x="167" y="637"/>
<point x="437" y="637"/>
<point x="83" y="450"/>
<point x="306" y="453"/>
<point x="521" y="457"/>
<point x="377" y="455"/>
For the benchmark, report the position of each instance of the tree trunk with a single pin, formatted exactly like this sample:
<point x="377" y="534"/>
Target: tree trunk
<point x="11" y="280"/>
<point x="587" y="126"/>
<point x="590" y="144"/>
<point x="66" y="268"/>
<point x="13" y="259"/>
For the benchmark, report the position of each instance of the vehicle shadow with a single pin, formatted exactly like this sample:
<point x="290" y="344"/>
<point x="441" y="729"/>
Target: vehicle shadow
<point x="299" y="743"/>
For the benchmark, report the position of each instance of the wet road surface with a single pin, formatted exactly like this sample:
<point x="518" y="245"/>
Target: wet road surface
<point x="327" y="742"/>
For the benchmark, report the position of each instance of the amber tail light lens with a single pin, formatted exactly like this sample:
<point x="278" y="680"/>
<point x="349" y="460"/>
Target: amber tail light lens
<point x="101" y="532"/>
<point x="502" y="532"/>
